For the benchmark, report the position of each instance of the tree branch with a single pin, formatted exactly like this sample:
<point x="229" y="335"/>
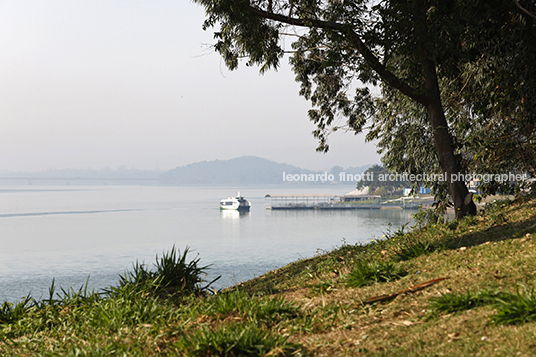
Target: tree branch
<point x="369" y="57"/>
<point x="523" y="9"/>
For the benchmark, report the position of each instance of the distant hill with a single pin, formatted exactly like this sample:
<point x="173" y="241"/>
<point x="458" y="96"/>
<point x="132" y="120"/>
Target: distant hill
<point x="241" y="170"/>
<point x="357" y="169"/>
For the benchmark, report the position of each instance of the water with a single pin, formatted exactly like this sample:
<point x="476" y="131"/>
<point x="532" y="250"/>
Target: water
<point x="73" y="234"/>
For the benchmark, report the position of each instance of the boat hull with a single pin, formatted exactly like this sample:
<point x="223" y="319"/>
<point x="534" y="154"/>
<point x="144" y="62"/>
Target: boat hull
<point x="239" y="208"/>
<point x="237" y="203"/>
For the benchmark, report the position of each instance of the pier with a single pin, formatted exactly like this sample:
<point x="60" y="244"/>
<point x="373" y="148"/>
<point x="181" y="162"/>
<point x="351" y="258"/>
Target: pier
<point x="340" y="202"/>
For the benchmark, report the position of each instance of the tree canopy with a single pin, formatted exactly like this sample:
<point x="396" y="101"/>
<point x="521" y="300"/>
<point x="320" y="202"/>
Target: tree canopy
<point x="379" y="185"/>
<point x="444" y="69"/>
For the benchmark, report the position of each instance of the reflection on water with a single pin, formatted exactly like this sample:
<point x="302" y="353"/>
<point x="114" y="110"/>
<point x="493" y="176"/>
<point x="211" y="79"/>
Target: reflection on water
<point x="234" y="214"/>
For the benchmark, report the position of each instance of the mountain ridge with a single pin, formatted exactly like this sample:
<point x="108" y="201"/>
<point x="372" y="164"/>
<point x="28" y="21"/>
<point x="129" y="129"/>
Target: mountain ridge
<point x="243" y="170"/>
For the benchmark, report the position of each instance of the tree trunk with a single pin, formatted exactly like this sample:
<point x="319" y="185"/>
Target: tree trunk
<point x="462" y="198"/>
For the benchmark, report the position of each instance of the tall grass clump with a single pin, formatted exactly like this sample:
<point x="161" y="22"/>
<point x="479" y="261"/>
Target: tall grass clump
<point x="456" y="302"/>
<point x="65" y="308"/>
<point x="70" y="297"/>
<point x="426" y="216"/>
<point x="516" y="308"/>
<point x="511" y="309"/>
<point x="12" y="312"/>
<point x="411" y="245"/>
<point x="237" y="340"/>
<point x="495" y="213"/>
<point x="365" y="273"/>
<point x="173" y="276"/>
<point x="424" y="241"/>
<point x="258" y="310"/>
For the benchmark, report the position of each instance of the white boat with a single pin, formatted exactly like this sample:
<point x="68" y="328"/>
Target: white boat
<point x="235" y="203"/>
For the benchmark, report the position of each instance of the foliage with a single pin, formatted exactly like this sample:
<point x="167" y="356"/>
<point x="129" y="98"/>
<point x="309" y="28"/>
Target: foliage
<point x="431" y="239"/>
<point x="379" y="184"/>
<point x="342" y="47"/>
<point x="458" y="88"/>
<point x="427" y="216"/>
<point x="489" y="92"/>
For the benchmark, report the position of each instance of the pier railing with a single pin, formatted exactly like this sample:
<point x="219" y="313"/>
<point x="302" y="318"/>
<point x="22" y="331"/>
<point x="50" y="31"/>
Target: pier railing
<point x="334" y="202"/>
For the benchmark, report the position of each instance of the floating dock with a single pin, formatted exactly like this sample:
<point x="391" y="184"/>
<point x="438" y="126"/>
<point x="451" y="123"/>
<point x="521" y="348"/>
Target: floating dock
<point x="340" y="202"/>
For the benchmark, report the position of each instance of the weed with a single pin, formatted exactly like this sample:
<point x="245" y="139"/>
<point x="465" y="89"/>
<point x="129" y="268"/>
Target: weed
<point x="175" y="275"/>
<point x="497" y="219"/>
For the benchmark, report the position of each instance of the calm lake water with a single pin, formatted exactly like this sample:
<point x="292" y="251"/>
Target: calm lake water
<point x="72" y="233"/>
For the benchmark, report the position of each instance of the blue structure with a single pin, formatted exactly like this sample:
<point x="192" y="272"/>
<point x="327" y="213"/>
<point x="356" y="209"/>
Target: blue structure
<point x="424" y="190"/>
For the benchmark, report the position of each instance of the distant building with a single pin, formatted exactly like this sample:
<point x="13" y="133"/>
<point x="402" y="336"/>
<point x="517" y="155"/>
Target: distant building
<point x="424" y="190"/>
<point x="421" y="191"/>
<point x="359" y="195"/>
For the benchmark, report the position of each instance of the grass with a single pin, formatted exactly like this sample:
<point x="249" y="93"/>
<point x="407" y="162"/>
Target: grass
<point x="453" y="302"/>
<point x="261" y="311"/>
<point x="312" y="307"/>
<point x="172" y="277"/>
<point x="237" y="340"/>
<point x="365" y="273"/>
<point x="516" y="308"/>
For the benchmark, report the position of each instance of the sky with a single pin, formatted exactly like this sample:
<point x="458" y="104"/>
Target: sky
<point x="100" y="83"/>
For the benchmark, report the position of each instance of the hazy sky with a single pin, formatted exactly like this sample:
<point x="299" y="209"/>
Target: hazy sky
<point x="95" y="83"/>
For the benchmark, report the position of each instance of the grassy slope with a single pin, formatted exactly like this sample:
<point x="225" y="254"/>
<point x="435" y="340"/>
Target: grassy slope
<point x="307" y="307"/>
